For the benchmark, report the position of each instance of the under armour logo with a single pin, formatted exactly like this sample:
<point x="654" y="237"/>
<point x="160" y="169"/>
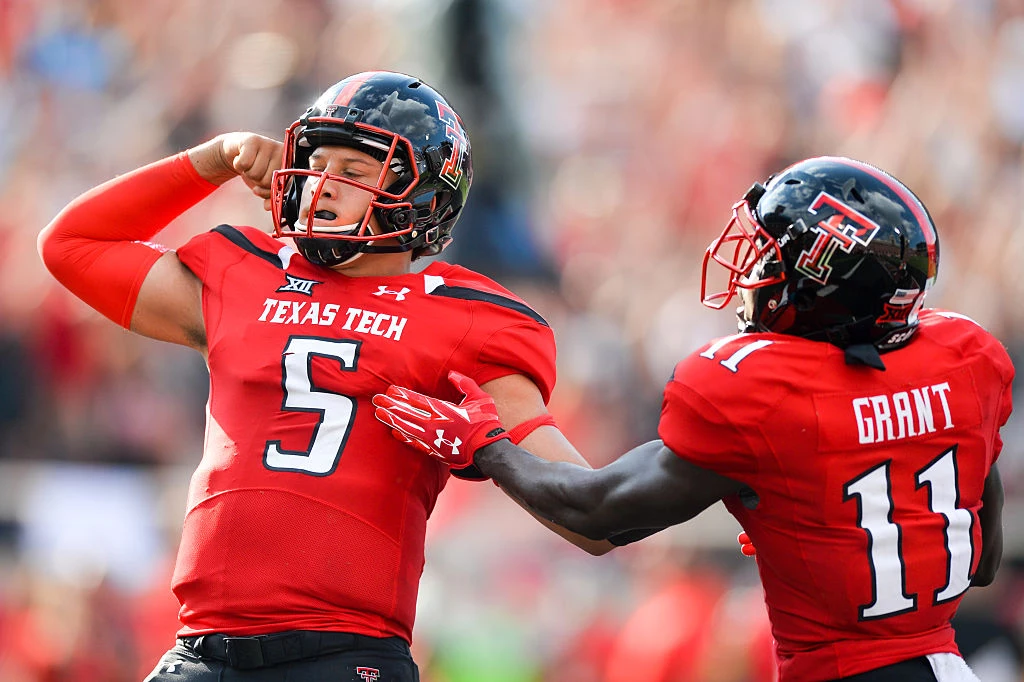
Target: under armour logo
<point x="174" y="668"/>
<point x="368" y="674"/>
<point x="441" y="440"/>
<point x="297" y="285"/>
<point x="399" y="295"/>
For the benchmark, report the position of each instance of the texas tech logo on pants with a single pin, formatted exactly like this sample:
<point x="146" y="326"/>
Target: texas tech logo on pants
<point x="368" y="674"/>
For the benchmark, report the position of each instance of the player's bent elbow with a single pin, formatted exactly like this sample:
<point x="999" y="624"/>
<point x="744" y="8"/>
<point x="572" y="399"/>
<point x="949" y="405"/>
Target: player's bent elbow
<point x="986" y="573"/>
<point x="582" y="510"/>
<point x="47" y="247"/>
<point x="57" y="251"/>
<point x="982" y="579"/>
<point x="577" y="520"/>
<point x="594" y="532"/>
<point x="593" y="547"/>
<point x="593" y="524"/>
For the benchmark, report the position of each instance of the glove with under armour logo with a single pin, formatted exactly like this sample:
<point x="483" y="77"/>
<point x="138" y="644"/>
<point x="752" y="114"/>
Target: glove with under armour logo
<point x="452" y="433"/>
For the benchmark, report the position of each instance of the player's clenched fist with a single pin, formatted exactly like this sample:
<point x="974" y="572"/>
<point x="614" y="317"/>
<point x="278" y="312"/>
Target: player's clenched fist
<point x="452" y="433"/>
<point x="252" y="157"/>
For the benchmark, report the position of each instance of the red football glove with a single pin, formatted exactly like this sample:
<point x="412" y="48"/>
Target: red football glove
<point x="452" y="433"/>
<point x="746" y="546"/>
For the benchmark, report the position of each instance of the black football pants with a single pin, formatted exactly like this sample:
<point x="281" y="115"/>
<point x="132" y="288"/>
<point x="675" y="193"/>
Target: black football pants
<point x="295" y="656"/>
<point x="914" y="670"/>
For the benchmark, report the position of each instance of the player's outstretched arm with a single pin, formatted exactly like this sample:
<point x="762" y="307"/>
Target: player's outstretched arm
<point x="425" y="423"/>
<point x="98" y="245"/>
<point x="991" y="517"/>
<point x="647" y="488"/>
<point x="519" y="404"/>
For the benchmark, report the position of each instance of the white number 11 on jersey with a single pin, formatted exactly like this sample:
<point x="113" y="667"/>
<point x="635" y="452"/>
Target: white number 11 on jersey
<point x="873" y="491"/>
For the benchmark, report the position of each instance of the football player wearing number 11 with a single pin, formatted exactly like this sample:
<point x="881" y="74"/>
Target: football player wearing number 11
<point x="303" y="541"/>
<point x="851" y="432"/>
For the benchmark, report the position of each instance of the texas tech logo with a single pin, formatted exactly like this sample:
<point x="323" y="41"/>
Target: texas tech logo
<point x="451" y="169"/>
<point x="842" y="230"/>
<point x="297" y="285"/>
<point x="368" y="674"/>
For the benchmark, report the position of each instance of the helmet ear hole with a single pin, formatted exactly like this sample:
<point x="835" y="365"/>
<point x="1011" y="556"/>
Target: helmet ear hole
<point x="400" y="218"/>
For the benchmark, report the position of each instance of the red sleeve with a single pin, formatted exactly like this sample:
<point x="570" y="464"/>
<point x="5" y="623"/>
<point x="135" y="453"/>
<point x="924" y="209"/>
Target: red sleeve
<point x="96" y="246"/>
<point x="1006" y="373"/>
<point x="527" y="348"/>
<point x="960" y="331"/>
<point x="699" y="432"/>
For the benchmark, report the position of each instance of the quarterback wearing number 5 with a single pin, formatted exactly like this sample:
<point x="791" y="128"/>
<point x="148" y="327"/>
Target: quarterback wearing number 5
<point x="303" y="541"/>
<point x="852" y="433"/>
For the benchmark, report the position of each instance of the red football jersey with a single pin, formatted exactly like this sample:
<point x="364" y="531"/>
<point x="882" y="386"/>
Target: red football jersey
<point x="868" y="482"/>
<point x="304" y="512"/>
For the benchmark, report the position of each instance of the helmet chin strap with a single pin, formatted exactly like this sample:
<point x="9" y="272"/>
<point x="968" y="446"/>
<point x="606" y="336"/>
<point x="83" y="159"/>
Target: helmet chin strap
<point x="330" y="229"/>
<point x="356" y="256"/>
<point x="326" y="229"/>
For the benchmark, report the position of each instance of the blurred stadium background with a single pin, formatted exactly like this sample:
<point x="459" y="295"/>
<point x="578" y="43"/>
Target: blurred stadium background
<point x="610" y="139"/>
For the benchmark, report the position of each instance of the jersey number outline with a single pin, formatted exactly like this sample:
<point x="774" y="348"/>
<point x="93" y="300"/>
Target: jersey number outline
<point x="731" y="363"/>
<point x="873" y="491"/>
<point x="301" y="395"/>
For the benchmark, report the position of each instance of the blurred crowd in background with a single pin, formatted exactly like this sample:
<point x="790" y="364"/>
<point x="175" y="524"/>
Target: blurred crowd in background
<point x="610" y="139"/>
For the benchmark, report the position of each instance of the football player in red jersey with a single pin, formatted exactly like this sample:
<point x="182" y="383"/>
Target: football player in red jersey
<point x="852" y="433"/>
<point x="303" y="541"/>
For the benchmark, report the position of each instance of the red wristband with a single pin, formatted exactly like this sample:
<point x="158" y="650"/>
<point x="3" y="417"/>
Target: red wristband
<point x="517" y="434"/>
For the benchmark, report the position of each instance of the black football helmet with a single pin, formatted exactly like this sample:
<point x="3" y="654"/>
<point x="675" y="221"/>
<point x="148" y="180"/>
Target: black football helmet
<point x="830" y="249"/>
<point x="408" y="126"/>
